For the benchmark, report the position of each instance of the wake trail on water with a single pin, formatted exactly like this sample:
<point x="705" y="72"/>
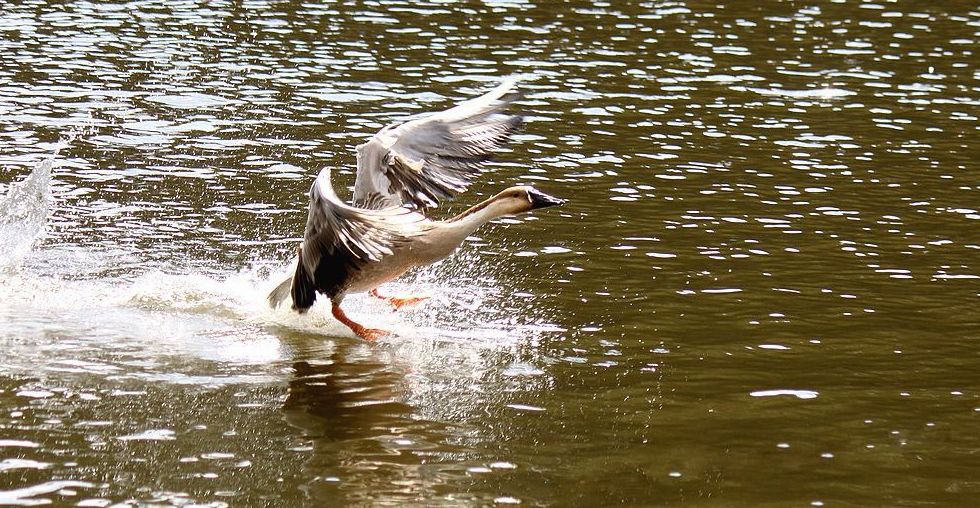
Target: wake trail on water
<point x="163" y="306"/>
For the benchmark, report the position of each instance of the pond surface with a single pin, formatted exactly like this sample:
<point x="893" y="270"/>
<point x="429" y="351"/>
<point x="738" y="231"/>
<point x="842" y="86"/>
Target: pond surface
<point x="764" y="290"/>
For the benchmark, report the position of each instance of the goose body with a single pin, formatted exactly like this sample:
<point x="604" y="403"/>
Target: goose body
<point x="401" y="172"/>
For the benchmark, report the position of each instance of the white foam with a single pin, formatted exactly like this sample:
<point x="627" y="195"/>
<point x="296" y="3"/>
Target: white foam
<point x="66" y="302"/>
<point x="23" y="214"/>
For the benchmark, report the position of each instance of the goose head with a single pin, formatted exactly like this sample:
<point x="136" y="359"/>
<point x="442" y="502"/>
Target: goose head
<point x="522" y="199"/>
<point x="512" y="201"/>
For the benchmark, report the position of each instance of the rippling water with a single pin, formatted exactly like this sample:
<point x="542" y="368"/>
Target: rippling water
<point x="763" y="291"/>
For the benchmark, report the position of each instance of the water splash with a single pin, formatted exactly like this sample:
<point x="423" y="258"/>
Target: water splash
<point x="23" y="214"/>
<point x="230" y="307"/>
<point x="165" y="315"/>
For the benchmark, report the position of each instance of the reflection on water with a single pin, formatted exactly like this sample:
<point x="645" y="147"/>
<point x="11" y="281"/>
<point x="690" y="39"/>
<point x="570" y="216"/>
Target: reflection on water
<point x="763" y="289"/>
<point x="353" y="408"/>
<point x="87" y="346"/>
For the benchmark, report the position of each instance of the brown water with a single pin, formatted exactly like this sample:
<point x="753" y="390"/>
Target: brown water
<point x="764" y="291"/>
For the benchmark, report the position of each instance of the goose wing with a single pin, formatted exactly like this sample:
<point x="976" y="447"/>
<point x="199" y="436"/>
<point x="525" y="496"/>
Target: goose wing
<point x="424" y="161"/>
<point x="334" y="228"/>
<point x="340" y="239"/>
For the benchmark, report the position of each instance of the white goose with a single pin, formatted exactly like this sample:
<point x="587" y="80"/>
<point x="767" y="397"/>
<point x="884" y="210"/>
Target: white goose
<point x="401" y="171"/>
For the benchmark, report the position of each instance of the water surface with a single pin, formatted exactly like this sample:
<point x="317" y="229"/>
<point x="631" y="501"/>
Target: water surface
<point x="764" y="289"/>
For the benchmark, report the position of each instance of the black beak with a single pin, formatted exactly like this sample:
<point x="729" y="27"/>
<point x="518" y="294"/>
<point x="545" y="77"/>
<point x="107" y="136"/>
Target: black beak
<point x="542" y="200"/>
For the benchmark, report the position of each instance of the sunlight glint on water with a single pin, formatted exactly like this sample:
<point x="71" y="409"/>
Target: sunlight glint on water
<point x="762" y="291"/>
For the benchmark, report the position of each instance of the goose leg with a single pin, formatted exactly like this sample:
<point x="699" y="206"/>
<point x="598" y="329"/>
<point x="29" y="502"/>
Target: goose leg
<point x="398" y="303"/>
<point x="369" y="334"/>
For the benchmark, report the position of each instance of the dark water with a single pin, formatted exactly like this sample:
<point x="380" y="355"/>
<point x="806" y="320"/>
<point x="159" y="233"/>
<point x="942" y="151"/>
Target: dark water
<point x="764" y="291"/>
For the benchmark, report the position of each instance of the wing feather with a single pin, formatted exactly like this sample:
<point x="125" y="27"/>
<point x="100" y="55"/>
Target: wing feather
<point x="335" y="229"/>
<point x="422" y="162"/>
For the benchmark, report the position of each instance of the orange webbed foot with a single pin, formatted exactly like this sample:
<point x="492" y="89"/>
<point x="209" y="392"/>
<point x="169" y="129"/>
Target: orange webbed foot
<point x="399" y="302"/>
<point x="368" y="334"/>
<point x="372" y="334"/>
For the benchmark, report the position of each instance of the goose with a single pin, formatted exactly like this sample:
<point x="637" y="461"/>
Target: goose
<point x="403" y="171"/>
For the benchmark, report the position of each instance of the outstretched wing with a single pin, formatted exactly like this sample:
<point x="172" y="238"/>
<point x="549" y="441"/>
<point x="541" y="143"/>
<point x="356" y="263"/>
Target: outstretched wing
<point x="421" y="162"/>
<point x="338" y="239"/>
<point x="334" y="228"/>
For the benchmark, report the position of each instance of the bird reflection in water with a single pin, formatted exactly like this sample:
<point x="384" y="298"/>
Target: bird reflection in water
<point x="367" y="441"/>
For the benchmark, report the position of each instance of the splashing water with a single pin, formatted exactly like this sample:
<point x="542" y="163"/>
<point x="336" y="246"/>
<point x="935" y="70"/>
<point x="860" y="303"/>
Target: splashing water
<point x="224" y="317"/>
<point x="23" y="215"/>
<point x="470" y="309"/>
<point x="72" y="308"/>
<point x="467" y="309"/>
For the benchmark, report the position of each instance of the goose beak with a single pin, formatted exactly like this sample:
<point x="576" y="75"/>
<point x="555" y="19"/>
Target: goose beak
<point x="542" y="200"/>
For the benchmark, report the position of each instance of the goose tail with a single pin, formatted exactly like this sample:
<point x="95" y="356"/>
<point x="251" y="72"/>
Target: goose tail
<point x="302" y="289"/>
<point x="280" y="293"/>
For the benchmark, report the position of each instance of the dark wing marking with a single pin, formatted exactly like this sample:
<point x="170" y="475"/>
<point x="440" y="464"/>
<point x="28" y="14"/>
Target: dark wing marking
<point x="421" y="162"/>
<point x="333" y="226"/>
<point x="340" y="238"/>
<point x="376" y="201"/>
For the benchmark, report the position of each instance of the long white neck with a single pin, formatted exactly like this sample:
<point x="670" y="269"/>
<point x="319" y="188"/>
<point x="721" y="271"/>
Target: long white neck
<point x="478" y="215"/>
<point x="446" y="236"/>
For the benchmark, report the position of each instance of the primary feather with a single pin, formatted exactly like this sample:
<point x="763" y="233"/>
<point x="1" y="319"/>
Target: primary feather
<point x="422" y="162"/>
